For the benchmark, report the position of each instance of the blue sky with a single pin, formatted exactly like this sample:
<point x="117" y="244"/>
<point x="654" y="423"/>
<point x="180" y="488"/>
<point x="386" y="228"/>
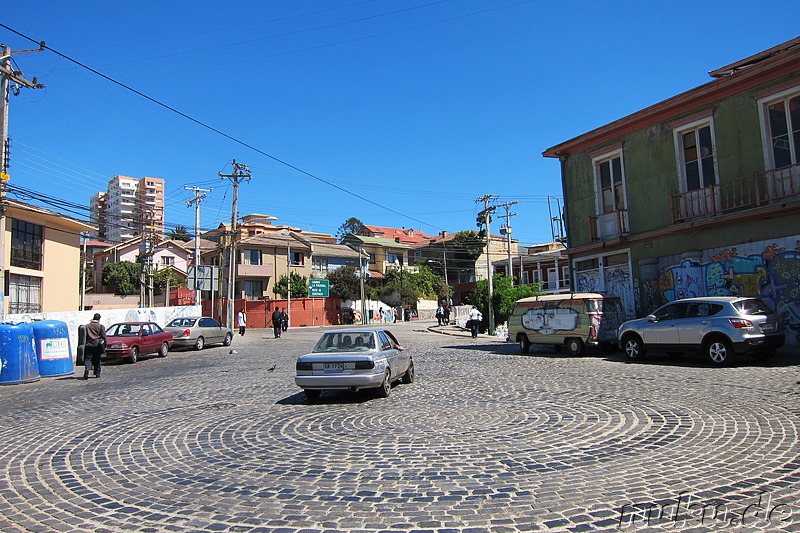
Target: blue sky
<point x="420" y="106"/>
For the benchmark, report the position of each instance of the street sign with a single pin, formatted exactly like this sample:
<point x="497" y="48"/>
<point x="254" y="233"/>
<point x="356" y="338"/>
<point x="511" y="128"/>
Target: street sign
<point x="207" y="277"/>
<point x="318" y="288"/>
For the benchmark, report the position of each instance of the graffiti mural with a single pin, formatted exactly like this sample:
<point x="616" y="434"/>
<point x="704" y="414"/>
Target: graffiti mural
<point x="773" y="275"/>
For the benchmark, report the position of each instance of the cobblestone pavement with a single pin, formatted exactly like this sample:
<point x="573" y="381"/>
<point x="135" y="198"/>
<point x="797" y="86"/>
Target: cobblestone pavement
<point x="484" y="440"/>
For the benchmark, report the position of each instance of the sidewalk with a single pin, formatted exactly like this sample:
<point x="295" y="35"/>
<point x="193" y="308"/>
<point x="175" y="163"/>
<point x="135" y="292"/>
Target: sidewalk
<point x="457" y="331"/>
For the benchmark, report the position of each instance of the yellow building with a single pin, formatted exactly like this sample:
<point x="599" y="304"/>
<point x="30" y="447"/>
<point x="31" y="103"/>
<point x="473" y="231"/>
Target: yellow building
<point x="41" y="258"/>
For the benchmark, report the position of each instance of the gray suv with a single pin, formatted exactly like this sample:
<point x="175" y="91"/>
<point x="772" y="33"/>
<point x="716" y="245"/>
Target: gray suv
<point x="716" y="326"/>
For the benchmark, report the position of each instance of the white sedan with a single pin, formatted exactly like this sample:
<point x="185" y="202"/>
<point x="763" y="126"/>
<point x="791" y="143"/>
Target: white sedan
<point x="354" y="359"/>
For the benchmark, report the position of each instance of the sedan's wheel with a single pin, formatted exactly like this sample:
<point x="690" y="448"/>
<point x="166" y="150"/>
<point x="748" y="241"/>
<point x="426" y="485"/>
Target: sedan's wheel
<point x="408" y="377"/>
<point x="162" y="352"/>
<point x="134" y="354"/>
<point x="312" y="395"/>
<point x="634" y="347"/>
<point x="574" y="346"/>
<point x="199" y="343"/>
<point x="719" y="350"/>
<point x="228" y="339"/>
<point x="524" y="344"/>
<point x="386" y="387"/>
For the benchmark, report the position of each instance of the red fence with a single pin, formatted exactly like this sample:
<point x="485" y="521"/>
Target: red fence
<point x="303" y="311"/>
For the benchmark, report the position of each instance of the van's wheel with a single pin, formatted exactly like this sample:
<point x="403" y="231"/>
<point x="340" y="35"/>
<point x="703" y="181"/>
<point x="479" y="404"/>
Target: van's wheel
<point x="386" y="387"/>
<point x="162" y="352"/>
<point x="408" y="377"/>
<point x="524" y="344"/>
<point x="574" y="346"/>
<point x="134" y="354"/>
<point x="719" y="350"/>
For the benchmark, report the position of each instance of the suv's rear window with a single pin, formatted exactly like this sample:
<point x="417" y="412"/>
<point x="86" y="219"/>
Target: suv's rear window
<point x="752" y="306"/>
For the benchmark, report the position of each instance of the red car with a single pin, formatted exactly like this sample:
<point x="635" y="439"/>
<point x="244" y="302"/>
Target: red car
<point x="129" y="340"/>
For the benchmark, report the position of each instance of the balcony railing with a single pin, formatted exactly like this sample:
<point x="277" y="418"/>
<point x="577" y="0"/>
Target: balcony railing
<point x="609" y="225"/>
<point x="762" y="188"/>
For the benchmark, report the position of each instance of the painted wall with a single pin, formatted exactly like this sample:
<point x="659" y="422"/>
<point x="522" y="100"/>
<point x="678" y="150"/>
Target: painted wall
<point x="767" y="269"/>
<point x="73" y="319"/>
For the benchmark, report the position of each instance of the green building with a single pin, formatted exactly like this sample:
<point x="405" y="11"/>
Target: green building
<point x="696" y="195"/>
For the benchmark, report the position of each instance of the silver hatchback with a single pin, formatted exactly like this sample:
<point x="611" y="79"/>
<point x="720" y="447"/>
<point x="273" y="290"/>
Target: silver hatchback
<point x="716" y="326"/>
<point x="354" y="359"/>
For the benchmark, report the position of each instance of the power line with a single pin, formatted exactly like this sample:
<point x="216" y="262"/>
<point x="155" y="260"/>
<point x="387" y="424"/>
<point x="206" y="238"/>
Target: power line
<point x="216" y="130"/>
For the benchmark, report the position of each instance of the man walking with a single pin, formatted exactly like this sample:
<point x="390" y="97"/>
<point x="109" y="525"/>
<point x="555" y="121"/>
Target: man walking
<point x="95" y="346"/>
<point x="277" y="322"/>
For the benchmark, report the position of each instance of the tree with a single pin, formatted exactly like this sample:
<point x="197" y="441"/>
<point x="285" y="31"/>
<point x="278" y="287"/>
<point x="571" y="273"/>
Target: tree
<point x="299" y="286"/>
<point x="164" y="277"/>
<point x="123" y="276"/>
<point x="504" y="296"/>
<point x="351" y="225"/>
<point x="406" y="287"/>
<point x="179" y="233"/>
<point x="345" y="283"/>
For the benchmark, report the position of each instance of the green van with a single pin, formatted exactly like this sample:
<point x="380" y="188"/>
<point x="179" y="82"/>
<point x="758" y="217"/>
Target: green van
<point x="573" y="320"/>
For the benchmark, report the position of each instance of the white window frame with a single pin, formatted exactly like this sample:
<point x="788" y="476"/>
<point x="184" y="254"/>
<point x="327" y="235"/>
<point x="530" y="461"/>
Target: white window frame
<point x="598" y="160"/>
<point x="678" y="132"/>
<point x="766" y="134"/>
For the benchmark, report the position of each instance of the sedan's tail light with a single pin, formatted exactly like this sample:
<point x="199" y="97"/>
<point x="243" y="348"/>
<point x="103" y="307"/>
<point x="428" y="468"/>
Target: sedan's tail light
<point x="186" y="333"/>
<point x="364" y="365"/>
<point x="303" y="366"/>
<point x="740" y="323"/>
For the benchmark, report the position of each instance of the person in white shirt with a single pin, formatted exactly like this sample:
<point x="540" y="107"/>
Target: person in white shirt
<point x="474" y="321"/>
<point x="241" y="321"/>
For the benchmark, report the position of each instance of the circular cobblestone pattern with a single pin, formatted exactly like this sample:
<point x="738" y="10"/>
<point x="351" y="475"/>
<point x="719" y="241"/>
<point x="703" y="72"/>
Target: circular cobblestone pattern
<point x="483" y="440"/>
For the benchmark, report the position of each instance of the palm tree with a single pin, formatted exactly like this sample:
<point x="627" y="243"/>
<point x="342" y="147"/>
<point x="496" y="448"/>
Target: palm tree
<point x="179" y="233"/>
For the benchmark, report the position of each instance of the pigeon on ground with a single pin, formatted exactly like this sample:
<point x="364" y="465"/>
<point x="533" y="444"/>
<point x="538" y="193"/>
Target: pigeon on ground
<point x="233" y="352"/>
<point x="270" y="369"/>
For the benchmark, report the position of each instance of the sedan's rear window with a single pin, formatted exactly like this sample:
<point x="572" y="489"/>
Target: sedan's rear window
<point x="181" y="323"/>
<point x="345" y="342"/>
<point x="752" y="306"/>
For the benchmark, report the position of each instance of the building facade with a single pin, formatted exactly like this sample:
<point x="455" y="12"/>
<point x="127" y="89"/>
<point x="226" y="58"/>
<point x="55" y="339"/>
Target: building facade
<point x="42" y="259"/>
<point x="129" y="207"/>
<point x="696" y="195"/>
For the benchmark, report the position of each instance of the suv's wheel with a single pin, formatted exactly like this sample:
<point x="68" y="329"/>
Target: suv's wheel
<point x="719" y="350"/>
<point x="633" y="347"/>
<point x="574" y="346"/>
<point x="524" y="344"/>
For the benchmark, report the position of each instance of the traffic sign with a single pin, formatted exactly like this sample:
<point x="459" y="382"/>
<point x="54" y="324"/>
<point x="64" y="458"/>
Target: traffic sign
<point x="318" y="288"/>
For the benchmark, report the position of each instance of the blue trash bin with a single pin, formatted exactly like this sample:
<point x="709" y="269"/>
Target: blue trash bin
<point x="18" y="361"/>
<point x="52" y="348"/>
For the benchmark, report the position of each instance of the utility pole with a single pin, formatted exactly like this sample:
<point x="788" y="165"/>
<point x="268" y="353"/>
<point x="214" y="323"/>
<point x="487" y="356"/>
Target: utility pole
<point x="12" y="80"/>
<point x="240" y="173"/>
<point x="485" y="218"/>
<point x="506" y="230"/>
<point x="362" y="276"/>
<point x="199" y="195"/>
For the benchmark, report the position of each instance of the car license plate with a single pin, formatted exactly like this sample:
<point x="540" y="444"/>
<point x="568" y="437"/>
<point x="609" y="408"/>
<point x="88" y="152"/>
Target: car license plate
<point x="333" y="367"/>
<point x="768" y="327"/>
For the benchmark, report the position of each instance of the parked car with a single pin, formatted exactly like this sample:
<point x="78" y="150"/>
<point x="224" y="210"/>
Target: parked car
<point x="573" y="321"/>
<point x="198" y="331"/>
<point x="130" y="340"/>
<point x="354" y="359"/>
<point x="716" y="326"/>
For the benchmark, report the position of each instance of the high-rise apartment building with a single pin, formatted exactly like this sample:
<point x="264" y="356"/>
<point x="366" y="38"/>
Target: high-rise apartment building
<point x="128" y="208"/>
